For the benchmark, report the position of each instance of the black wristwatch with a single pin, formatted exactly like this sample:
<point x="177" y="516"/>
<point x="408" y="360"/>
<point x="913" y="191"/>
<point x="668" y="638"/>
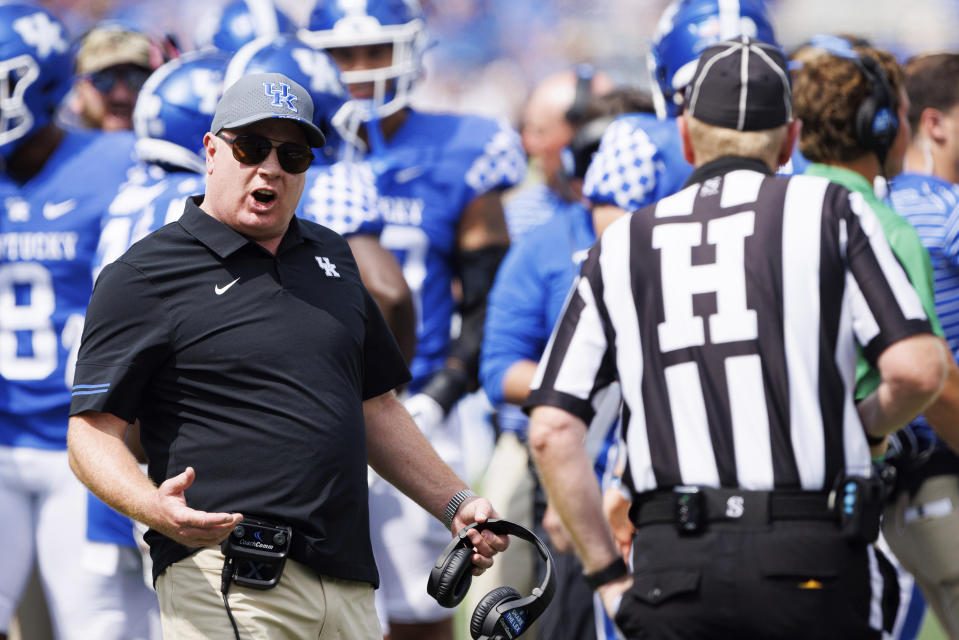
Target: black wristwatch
<point x="616" y="569"/>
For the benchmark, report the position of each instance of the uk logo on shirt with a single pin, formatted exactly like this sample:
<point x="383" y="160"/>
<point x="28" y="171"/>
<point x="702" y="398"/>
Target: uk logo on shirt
<point x="280" y="92"/>
<point x="328" y="267"/>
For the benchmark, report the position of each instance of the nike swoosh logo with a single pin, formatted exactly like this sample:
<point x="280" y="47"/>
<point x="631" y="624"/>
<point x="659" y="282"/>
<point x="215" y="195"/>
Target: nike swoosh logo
<point x="52" y="211"/>
<point x="218" y="290"/>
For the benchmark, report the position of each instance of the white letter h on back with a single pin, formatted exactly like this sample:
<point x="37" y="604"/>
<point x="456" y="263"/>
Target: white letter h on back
<point x="681" y="279"/>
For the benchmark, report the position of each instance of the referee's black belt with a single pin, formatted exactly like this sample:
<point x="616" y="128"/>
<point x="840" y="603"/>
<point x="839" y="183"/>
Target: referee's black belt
<point x="690" y="508"/>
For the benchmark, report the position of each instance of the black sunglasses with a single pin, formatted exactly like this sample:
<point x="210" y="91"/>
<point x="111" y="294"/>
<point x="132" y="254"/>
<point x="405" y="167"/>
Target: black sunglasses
<point x="252" y="149"/>
<point x="133" y="77"/>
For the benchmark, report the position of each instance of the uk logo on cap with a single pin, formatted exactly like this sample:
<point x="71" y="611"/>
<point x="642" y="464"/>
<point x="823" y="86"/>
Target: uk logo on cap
<point x="281" y="95"/>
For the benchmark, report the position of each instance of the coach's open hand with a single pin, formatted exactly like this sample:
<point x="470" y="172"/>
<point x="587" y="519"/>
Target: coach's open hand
<point x="185" y="525"/>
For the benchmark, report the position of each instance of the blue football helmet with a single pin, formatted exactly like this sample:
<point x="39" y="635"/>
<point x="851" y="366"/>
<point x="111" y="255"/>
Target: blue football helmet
<point x="36" y="67"/>
<point x="241" y="22"/>
<point x="311" y="68"/>
<point x="175" y="108"/>
<point x="685" y="29"/>
<point x="348" y="23"/>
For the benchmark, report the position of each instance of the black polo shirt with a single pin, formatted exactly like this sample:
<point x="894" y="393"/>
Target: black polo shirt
<point x="251" y="368"/>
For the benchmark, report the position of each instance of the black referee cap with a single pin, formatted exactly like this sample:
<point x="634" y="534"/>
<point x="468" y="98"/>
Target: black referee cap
<point x="741" y="84"/>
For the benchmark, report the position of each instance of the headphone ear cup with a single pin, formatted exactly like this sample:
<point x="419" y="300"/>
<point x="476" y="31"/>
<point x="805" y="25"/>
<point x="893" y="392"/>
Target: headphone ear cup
<point x="865" y="117"/>
<point x="489" y="602"/>
<point x="877" y="123"/>
<point x="454" y="578"/>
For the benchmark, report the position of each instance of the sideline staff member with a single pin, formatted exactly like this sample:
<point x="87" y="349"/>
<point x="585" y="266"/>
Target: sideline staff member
<point x="244" y="342"/>
<point x="922" y="523"/>
<point x="729" y="313"/>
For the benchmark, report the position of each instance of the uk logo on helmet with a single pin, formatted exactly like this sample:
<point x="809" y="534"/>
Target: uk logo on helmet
<point x="280" y="92"/>
<point x="41" y="32"/>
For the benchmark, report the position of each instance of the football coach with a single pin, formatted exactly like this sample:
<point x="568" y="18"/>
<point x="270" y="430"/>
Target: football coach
<point x="262" y="375"/>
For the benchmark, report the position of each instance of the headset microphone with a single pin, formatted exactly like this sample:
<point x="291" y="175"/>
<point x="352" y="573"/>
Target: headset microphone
<point x="502" y="614"/>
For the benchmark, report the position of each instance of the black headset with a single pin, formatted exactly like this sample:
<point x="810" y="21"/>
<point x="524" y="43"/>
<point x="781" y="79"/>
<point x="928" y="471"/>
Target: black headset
<point x="502" y="614"/>
<point x="577" y="155"/>
<point x="584" y="91"/>
<point x="877" y="121"/>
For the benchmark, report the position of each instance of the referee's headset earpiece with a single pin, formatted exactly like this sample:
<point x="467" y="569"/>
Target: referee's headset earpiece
<point x="503" y="612"/>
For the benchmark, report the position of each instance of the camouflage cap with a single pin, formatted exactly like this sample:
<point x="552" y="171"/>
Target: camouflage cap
<point x="111" y="45"/>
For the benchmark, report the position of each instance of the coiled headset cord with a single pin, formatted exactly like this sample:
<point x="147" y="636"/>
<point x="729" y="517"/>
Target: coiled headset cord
<point x="226" y="576"/>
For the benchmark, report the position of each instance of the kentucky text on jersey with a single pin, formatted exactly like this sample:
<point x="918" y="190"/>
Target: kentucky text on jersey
<point x="49" y="228"/>
<point x="401" y="210"/>
<point x="38" y="246"/>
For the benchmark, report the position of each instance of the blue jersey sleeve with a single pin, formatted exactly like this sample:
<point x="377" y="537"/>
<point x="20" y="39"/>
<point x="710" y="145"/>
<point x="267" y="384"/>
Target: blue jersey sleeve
<point x="639" y="161"/>
<point x="515" y="318"/>
<point x="149" y="199"/>
<point x="500" y="162"/>
<point x="342" y="197"/>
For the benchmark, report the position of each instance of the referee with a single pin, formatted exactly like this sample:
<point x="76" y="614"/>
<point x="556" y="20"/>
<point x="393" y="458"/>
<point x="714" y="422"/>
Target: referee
<point x="730" y="314"/>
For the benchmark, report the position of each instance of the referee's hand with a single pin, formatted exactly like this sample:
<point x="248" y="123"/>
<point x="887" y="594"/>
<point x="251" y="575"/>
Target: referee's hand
<point x="174" y="519"/>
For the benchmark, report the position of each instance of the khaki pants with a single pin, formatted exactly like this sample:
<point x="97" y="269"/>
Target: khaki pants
<point x="923" y="533"/>
<point x="302" y="606"/>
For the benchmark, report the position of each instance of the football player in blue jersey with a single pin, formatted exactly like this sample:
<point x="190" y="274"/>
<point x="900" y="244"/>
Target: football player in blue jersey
<point x="173" y="111"/>
<point x="922" y="523"/>
<point x="640" y="159"/>
<point x="240" y="22"/>
<point x="340" y="193"/>
<point x="51" y="203"/>
<point x="440" y="178"/>
<point x="526" y="300"/>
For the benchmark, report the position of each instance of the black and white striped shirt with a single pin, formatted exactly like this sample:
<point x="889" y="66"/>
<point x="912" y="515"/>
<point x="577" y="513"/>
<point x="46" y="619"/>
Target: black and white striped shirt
<point x="730" y="314"/>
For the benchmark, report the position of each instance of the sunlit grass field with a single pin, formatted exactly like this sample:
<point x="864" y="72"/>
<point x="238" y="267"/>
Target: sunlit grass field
<point x="930" y="628"/>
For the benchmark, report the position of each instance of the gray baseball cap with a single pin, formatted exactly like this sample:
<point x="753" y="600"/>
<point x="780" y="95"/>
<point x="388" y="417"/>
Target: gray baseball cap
<point x="262" y="96"/>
